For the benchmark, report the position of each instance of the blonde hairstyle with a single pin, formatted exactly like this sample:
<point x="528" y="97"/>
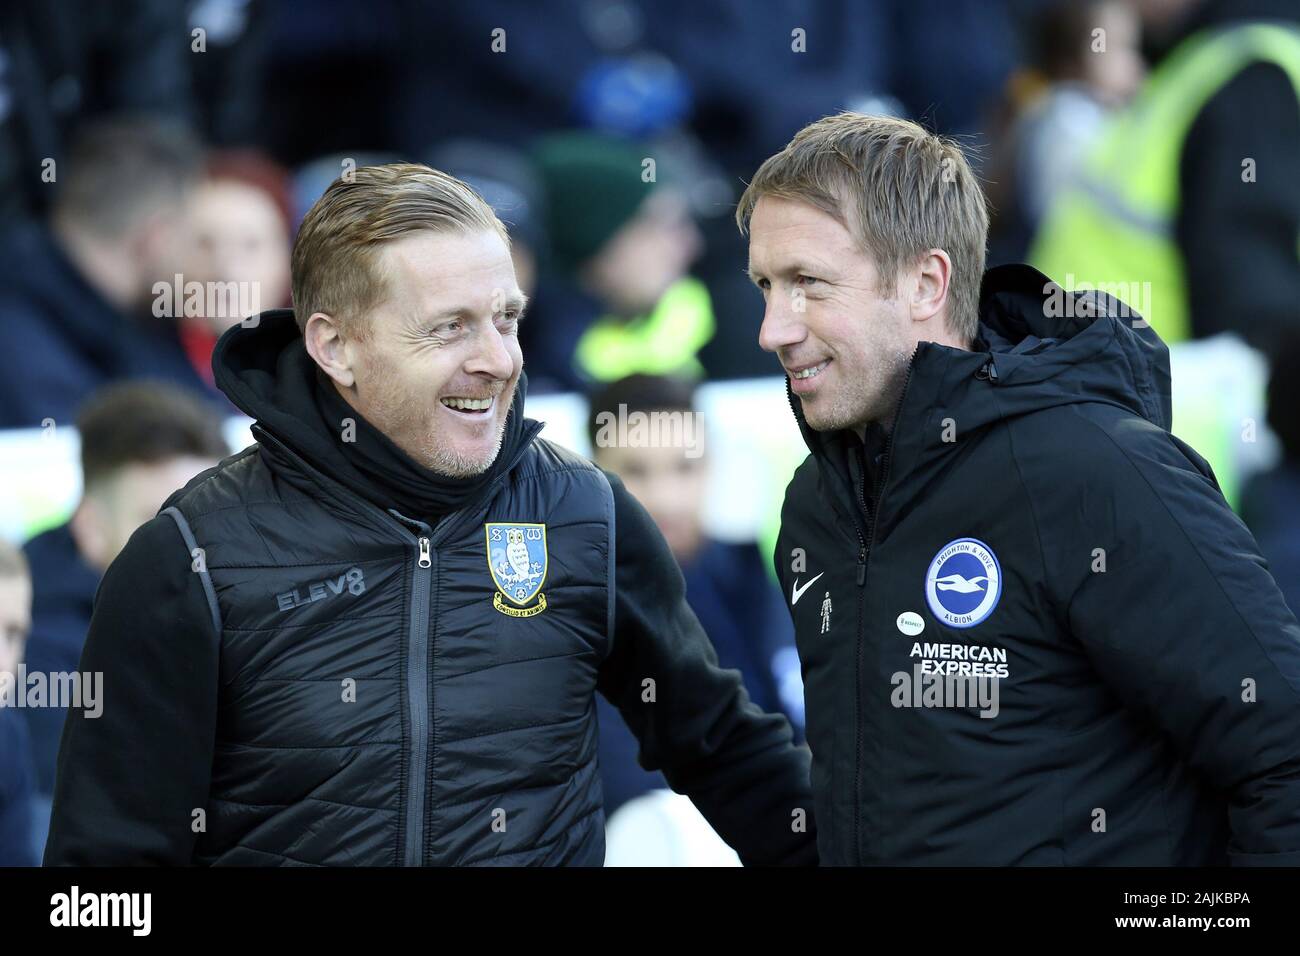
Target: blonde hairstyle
<point x="335" y="255"/>
<point x="897" y="188"/>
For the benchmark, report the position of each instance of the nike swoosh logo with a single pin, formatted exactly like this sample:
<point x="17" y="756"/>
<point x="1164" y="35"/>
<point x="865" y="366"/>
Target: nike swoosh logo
<point x="797" y="592"/>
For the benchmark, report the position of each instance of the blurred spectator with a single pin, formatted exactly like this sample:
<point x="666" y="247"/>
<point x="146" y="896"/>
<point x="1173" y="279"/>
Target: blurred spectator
<point x="77" y="297"/>
<point x="1271" y="501"/>
<point x="241" y="219"/>
<point x="1193" y="188"/>
<point x="617" y="299"/>
<point x="509" y="184"/>
<point x="17" y="776"/>
<point x="727" y="586"/>
<point x="140" y="441"/>
<point x="1188" y="206"/>
<point x="65" y="61"/>
<point x="1084" y="63"/>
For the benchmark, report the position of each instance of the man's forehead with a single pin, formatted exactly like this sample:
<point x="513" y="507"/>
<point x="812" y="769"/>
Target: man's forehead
<point x="789" y="235"/>
<point x="438" y="269"/>
<point x="449" y="256"/>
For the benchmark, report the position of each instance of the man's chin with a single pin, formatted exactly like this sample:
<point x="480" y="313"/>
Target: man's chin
<point x="820" y="414"/>
<point x="828" y="418"/>
<point x="465" y="458"/>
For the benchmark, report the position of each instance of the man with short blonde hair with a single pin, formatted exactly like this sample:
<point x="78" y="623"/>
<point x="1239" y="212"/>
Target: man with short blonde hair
<point x="336" y="261"/>
<point x="1036" y="633"/>
<point x="898" y="189"/>
<point x="375" y="637"/>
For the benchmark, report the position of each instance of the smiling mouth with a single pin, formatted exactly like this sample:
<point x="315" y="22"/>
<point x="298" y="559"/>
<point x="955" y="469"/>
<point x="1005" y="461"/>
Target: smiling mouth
<point x="811" y="371"/>
<point x="470" y="406"/>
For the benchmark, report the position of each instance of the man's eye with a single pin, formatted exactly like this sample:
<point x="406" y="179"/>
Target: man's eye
<point x="448" y="328"/>
<point x="808" y="280"/>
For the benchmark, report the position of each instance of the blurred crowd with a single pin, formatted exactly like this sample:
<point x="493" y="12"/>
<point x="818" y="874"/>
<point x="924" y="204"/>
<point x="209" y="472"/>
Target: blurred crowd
<point x="156" y="157"/>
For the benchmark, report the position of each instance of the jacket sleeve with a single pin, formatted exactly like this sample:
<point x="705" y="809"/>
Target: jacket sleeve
<point x="1167" y="592"/>
<point x="130" y="779"/>
<point x="694" y="720"/>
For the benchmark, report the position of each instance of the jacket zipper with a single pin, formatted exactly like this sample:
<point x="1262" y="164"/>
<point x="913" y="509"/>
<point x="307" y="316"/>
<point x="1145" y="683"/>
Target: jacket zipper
<point x="417" y="696"/>
<point x="857" y="691"/>
<point x="863" y="558"/>
<point x="417" y="671"/>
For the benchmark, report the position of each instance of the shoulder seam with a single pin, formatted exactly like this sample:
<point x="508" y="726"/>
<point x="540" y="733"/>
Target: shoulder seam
<point x="610" y="562"/>
<point x="191" y="546"/>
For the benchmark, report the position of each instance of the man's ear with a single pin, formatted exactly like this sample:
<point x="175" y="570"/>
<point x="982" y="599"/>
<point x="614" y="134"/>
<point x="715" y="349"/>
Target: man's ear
<point x="930" y="293"/>
<point x="328" y="347"/>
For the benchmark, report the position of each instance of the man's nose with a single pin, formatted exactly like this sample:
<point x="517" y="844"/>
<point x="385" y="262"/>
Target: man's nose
<point x="782" y="326"/>
<point x="491" y="357"/>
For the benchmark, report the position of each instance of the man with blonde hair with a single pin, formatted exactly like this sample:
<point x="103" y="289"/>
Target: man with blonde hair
<point x="375" y="637"/>
<point x="1045" y="638"/>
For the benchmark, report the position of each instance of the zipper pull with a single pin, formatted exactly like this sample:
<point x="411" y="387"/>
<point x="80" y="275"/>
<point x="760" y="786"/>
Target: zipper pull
<point x="425" y="560"/>
<point x="862" y="566"/>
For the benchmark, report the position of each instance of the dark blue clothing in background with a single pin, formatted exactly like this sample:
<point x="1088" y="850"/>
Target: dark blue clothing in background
<point x="728" y="588"/>
<point x="64" y="340"/>
<point x="63" y="595"/>
<point x="1270" y="506"/>
<point x="17" y="790"/>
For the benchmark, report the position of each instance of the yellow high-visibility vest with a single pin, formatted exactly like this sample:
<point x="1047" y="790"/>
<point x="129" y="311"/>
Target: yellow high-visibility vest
<point x="1113" y="229"/>
<point x="665" y="342"/>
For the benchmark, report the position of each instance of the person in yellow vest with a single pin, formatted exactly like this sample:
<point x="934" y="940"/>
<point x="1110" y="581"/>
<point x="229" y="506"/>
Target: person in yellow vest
<point x="615" y="297"/>
<point x="1188" y="208"/>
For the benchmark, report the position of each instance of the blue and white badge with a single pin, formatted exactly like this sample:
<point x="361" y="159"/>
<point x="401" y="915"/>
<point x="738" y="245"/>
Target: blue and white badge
<point x="517" y="560"/>
<point x="963" y="583"/>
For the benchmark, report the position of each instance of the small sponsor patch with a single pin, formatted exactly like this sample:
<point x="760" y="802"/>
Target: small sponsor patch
<point x="910" y="623"/>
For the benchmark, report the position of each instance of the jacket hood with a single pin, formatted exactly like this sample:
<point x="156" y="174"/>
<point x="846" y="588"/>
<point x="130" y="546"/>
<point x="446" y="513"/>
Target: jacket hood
<point x="264" y="369"/>
<point x="1039" y="347"/>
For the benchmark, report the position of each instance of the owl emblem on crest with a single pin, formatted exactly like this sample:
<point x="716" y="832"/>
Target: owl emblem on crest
<point x="517" y="562"/>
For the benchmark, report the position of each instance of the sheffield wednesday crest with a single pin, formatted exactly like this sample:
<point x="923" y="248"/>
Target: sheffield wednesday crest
<point x="517" y="559"/>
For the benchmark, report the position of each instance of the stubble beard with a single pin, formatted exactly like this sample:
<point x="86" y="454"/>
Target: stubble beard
<point x="415" y="435"/>
<point x="412" y="430"/>
<point x="868" y="397"/>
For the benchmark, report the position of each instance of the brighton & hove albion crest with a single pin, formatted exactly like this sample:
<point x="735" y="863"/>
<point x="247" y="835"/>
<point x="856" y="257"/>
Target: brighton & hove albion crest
<point x="516" y="555"/>
<point x="963" y="583"/>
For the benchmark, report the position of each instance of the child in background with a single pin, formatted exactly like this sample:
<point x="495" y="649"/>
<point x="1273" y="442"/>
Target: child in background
<point x="727" y="584"/>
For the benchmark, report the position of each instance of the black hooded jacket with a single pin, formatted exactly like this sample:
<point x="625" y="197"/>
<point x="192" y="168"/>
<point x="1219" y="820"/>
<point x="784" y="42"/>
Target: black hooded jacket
<point x="1031" y="535"/>
<point x="221" y="687"/>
